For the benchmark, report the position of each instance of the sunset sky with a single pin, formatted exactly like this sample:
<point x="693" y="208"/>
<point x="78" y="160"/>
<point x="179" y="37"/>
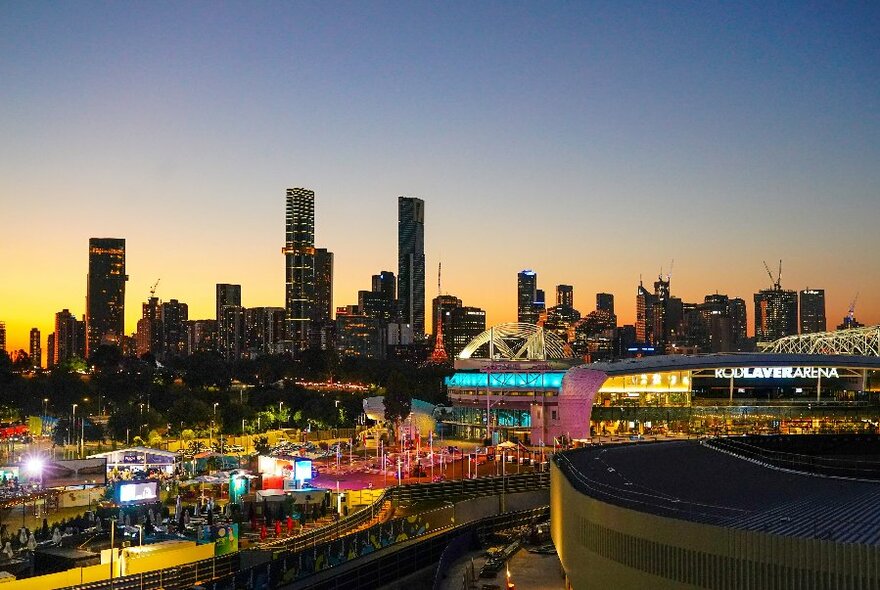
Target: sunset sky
<point x="589" y="141"/>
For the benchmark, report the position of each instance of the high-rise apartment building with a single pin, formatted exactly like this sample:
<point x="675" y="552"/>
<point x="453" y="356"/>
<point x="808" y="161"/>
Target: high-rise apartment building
<point x="526" y="294"/>
<point x="174" y="318"/>
<point x="201" y="336"/>
<point x="812" y="307"/>
<point x="228" y="335"/>
<point x="565" y="295"/>
<point x="323" y="308"/>
<point x="149" y="329"/>
<point x="605" y="302"/>
<point x="299" y="258"/>
<point x="50" y="350"/>
<point x="36" y="350"/>
<point x="738" y="322"/>
<point x="411" y="263"/>
<point x="2" y="336"/>
<point x="69" y="337"/>
<point x="663" y="325"/>
<point x="358" y="334"/>
<point x="264" y="329"/>
<point x="385" y="283"/>
<point x="776" y="314"/>
<point x="105" y="292"/>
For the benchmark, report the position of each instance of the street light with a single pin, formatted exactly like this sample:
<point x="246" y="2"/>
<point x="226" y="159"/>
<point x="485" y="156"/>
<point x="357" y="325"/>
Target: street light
<point x="45" y="406"/>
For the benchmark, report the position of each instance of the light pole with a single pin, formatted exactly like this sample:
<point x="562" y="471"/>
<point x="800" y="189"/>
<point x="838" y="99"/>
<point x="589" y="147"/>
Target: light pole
<point x="112" y="550"/>
<point x="45" y="406"/>
<point x="279" y="414"/>
<point x="72" y="429"/>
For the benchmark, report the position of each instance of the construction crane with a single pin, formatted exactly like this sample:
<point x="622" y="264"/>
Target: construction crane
<point x="153" y="288"/>
<point x="777" y="282"/>
<point x="852" y="308"/>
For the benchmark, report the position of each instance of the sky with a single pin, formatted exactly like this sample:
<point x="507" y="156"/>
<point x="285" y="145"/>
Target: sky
<point x="593" y="142"/>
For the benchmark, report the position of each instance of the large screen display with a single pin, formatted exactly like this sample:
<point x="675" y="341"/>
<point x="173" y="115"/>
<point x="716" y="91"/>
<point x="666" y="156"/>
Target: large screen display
<point x="302" y="471"/>
<point x="72" y="472"/>
<point x="142" y="492"/>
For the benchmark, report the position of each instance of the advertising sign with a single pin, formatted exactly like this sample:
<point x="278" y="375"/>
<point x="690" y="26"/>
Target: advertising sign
<point x="302" y="470"/>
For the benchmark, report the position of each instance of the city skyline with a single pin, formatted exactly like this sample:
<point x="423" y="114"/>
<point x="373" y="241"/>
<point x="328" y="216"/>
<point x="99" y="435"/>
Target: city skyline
<point x="591" y="144"/>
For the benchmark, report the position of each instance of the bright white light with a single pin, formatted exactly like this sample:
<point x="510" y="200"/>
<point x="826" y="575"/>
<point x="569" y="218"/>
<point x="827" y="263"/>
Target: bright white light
<point x="34" y="465"/>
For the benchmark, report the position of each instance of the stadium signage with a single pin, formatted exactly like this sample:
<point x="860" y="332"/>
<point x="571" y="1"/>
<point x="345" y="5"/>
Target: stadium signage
<point x="777" y="373"/>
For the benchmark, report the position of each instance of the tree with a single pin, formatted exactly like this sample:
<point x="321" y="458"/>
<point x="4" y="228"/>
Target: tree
<point x="398" y="400"/>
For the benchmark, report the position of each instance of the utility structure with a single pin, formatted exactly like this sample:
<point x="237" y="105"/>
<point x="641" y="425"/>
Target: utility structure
<point x="439" y="356"/>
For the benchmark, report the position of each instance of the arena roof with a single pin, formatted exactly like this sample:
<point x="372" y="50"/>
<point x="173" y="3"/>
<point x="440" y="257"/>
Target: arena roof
<point x="689" y="362"/>
<point x="686" y="480"/>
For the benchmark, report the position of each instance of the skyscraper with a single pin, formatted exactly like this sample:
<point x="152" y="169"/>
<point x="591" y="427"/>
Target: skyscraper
<point x="812" y="305"/>
<point x="663" y="325"/>
<point x="69" y="337"/>
<point x="526" y="293"/>
<point x="50" y="350"/>
<point x="2" y="336"/>
<point x="565" y="295"/>
<point x="738" y="322"/>
<point x="644" y="315"/>
<point x="776" y="314"/>
<point x="105" y="293"/>
<point x="411" y="262"/>
<point x="299" y="258"/>
<point x="605" y="302"/>
<point x="149" y="329"/>
<point x="466" y="324"/>
<point x="36" y="351"/>
<point x="228" y="334"/>
<point x="174" y="317"/>
<point x="323" y="309"/>
<point x="441" y="314"/>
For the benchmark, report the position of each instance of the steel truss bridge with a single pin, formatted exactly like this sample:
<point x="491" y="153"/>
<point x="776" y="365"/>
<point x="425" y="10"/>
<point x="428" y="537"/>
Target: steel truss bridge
<point x="855" y="341"/>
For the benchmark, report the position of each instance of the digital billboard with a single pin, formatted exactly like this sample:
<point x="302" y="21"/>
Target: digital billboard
<point x="302" y="470"/>
<point x="140" y="492"/>
<point x="61" y="473"/>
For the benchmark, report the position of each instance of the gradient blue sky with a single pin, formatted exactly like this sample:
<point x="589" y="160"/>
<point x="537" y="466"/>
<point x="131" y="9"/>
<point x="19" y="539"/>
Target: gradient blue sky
<point x="589" y="141"/>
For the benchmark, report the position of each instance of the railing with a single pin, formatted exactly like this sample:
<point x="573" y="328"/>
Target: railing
<point x="182" y="576"/>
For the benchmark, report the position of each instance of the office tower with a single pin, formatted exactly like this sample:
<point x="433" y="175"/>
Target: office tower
<point x="299" y="259"/>
<point x="605" y="302"/>
<point x="264" y="329"/>
<point x="105" y="293"/>
<point x="229" y="317"/>
<point x="174" y="317"/>
<point x="149" y="329"/>
<point x="465" y="324"/>
<point x="69" y="337"/>
<point x="644" y="315"/>
<point x="36" y="351"/>
<point x="201" y="336"/>
<point x="385" y="283"/>
<point x="323" y="308"/>
<point x="812" y="307"/>
<point x="50" y="350"/>
<point x="561" y="320"/>
<point x="359" y="335"/>
<point x="663" y="326"/>
<point x="738" y="323"/>
<point x="526" y="293"/>
<point x="776" y="314"/>
<point x="715" y="311"/>
<point x="540" y="305"/>
<point x="565" y="295"/>
<point x="411" y="263"/>
<point x="2" y="336"/>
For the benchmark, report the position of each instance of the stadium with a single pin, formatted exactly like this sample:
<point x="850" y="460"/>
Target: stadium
<point x="754" y="512"/>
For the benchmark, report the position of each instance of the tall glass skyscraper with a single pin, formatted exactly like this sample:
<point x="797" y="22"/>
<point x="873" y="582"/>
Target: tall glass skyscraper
<point x="105" y="292"/>
<point x="526" y="294"/>
<point x="411" y="262"/>
<point x="299" y="263"/>
<point x="812" y="305"/>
